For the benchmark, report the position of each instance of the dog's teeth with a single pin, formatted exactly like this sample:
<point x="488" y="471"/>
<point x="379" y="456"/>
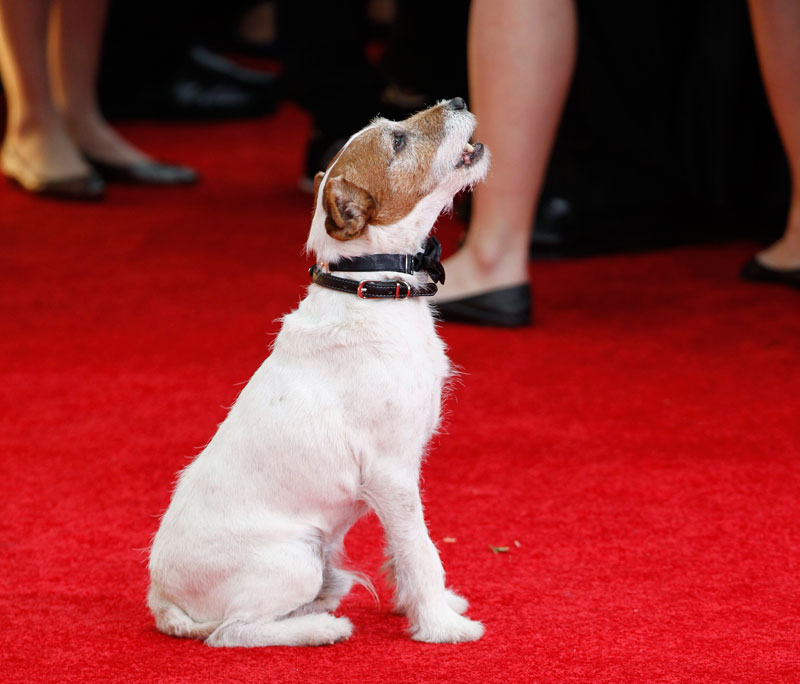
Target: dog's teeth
<point x="467" y="156"/>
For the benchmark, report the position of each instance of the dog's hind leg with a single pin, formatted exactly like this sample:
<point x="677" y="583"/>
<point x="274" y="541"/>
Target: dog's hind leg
<point x="315" y="629"/>
<point x="336" y="584"/>
<point x="170" y="619"/>
<point x="264" y="610"/>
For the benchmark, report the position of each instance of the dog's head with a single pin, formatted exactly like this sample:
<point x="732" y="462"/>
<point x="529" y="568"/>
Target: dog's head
<point x="386" y="186"/>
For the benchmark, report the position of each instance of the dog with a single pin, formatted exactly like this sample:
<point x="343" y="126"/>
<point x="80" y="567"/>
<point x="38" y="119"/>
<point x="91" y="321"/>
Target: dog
<point x="336" y="421"/>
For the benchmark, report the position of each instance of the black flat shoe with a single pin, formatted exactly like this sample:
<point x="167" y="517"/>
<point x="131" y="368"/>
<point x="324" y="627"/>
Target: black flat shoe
<point x="756" y="271"/>
<point x="508" y="307"/>
<point x="144" y="173"/>
<point x="85" y="188"/>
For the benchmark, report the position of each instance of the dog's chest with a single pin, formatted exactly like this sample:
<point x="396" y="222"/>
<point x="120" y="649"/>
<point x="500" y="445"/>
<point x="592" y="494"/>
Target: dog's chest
<point x="393" y="400"/>
<point x="383" y="367"/>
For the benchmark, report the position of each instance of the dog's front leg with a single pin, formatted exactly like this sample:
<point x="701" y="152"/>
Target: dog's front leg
<point x="420" y="590"/>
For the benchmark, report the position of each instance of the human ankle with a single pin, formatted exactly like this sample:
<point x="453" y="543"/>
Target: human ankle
<point x="83" y="122"/>
<point x="32" y="124"/>
<point x="792" y="233"/>
<point x="784" y="253"/>
<point x="493" y="261"/>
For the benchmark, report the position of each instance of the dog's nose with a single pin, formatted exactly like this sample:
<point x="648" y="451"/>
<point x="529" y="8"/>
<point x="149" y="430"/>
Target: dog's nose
<point x="458" y="103"/>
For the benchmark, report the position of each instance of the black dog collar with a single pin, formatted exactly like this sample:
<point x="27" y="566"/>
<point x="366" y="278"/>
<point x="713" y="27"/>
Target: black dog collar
<point x="427" y="261"/>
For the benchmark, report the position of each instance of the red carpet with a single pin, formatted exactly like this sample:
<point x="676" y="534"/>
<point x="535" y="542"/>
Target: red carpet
<point x="637" y="451"/>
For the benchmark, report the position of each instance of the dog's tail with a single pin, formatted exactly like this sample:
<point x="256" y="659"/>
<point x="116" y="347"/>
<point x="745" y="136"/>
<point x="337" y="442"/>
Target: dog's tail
<point x="170" y="619"/>
<point x="366" y="582"/>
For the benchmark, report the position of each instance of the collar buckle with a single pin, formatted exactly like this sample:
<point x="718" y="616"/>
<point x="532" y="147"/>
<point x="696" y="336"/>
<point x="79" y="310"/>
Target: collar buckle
<point x="360" y="290"/>
<point x="397" y="290"/>
<point x="398" y="294"/>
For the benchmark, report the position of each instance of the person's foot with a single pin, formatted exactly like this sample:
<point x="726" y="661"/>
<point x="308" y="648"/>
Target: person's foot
<point x="48" y="152"/>
<point x="116" y="160"/>
<point x="481" y="292"/>
<point x="467" y="275"/>
<point x="97" y="139"/>
<point x="45" y="162"/>
<point x="783" y="255"/>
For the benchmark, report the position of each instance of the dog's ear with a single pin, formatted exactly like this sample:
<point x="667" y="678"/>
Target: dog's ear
<point x="317" y="180"/>
<point x="349" y="208"/>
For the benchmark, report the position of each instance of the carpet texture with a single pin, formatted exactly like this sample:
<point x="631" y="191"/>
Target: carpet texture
<point x="633" y="458"/>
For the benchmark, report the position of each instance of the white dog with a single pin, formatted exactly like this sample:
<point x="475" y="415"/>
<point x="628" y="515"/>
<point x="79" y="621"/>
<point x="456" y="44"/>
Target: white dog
<point x="336" y="420"/>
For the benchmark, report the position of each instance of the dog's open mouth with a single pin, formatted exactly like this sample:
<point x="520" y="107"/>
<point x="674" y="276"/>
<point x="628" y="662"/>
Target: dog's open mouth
<point x="471" y="154"/>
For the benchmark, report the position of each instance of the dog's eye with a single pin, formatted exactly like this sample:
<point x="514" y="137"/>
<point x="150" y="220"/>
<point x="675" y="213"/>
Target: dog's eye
<point x="399" y="141"/>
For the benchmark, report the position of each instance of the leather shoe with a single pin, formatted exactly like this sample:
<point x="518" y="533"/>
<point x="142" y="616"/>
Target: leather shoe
<point x="756" y="271"/>
<point x="149" y="172"/>
<point x="507" y="307"/>
<point x="206" y="87"/>
<point x="87" y="187"/>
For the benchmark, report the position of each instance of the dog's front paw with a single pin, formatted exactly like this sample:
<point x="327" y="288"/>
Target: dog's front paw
<point x="447" y="628"/>
<point x="456" y="602"/>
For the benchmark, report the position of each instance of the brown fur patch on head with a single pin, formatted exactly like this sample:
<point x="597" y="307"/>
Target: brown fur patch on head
<point x="391" y="162"/>
<point x="349" y="208"/>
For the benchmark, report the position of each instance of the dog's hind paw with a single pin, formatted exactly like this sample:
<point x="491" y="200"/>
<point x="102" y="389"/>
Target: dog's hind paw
<point x="456" y="602"/>
<point x="316" y="629"/>
<point x="448" y="628"/>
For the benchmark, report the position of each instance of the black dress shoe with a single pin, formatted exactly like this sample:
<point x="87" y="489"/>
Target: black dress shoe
<point x="508" y="307"/>
<point x="145" y="173"/>
<point x="756" y="271"/>
<point x="205" y="87"/>
<point x="204" y="62"/>
<point x="87" y="187"/>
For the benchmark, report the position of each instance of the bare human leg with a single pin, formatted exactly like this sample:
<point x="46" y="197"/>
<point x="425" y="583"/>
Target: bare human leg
<point x="776" y="27"/>
<point x="74" y="52"/>
<point x="521" y="60"/>
<point x="35" y="134"/>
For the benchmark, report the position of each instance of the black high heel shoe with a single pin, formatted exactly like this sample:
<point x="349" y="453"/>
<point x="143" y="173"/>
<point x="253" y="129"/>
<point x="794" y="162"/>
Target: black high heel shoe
<point x="87" y="187"/>
<point x="149" y="172"/>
